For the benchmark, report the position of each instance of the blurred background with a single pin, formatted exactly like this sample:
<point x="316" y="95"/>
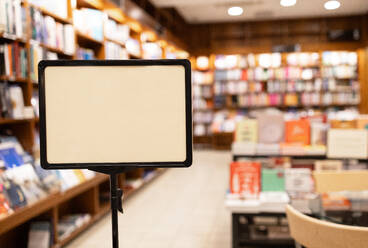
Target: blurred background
<point x="280" y="109"/>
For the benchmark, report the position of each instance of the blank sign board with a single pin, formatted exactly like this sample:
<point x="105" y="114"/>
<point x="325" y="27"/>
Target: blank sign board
<point x="115" y="113"/>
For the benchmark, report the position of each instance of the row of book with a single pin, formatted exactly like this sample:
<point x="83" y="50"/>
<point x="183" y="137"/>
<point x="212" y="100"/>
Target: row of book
<point x="24" y="182"/>
<point x="90" y="22"/>
<point x="13" y="18"/>
<point x="277" y="86"/>
<point x="249" y="178"/>
<point x="13" y="60"/>
<point x="116" y="32"/>
<point x="202" y="104"/>
<point x="151" y="50"/>
<point x="12" y="103"/>
<point x="205" y="92"/>
<point x="51" y="33"/>
<point x="201" y="129"/>
<point x="202" y="78"/>
<point x="41" y="233"/>
<point x="203" y="117"/>
<point x="269" y="189"/>
<point x="115" y="51"/>
<point x="307" y="99"/>
<point x="274" y="60"/>
<point x="282" y="73"/>
<point x="85" y="53"/>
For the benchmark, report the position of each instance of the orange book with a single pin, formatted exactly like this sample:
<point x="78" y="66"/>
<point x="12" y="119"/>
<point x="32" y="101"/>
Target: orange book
<point x="245" y="178"/>
<point x="297" y="132"/>
<point x="343" y="124"/>
<point x="10" y="57"/>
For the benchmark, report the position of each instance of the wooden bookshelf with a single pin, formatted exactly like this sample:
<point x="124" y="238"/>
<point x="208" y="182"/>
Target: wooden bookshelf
<point x="14" y="227"/>
<point x="54" y="201"/>
<point x="224" y="99"/>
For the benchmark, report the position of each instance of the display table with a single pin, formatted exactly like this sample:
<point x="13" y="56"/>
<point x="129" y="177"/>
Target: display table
<point x="259" y="222"/>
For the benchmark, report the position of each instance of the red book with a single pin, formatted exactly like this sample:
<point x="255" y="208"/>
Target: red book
<point x="245" y="178"/>
<point x="244" y="75"/>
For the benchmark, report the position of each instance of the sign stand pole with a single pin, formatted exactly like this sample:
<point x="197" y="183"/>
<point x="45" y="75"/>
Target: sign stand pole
<point x="116" y="195"/>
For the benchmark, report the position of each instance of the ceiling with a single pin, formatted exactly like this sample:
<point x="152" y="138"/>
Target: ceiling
<point x="205" y="11"/>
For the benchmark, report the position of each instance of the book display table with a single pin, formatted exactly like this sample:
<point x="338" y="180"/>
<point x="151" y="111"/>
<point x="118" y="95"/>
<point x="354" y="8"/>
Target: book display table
<point x="259" y="222"/>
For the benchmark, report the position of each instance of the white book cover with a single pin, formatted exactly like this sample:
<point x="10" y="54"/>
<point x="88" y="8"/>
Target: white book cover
<point x="2" y="16"/>
<point x="18" y="18"/>
<point x="16" y="97"/>
<point x="39" y="235"/>
<point x="69" y="39"/>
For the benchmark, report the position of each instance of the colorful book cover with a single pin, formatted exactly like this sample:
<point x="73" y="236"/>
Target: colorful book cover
<point x="10" y="157"/>
<point x="245" y="178"/>
<point x="273" y="180"/>
<point x="271" y="128"/>
<point x="247" y="131"/>
<point x="297" y="132"/>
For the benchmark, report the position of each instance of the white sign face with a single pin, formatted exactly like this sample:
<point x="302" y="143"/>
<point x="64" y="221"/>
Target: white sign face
<point x="115" y="113"/>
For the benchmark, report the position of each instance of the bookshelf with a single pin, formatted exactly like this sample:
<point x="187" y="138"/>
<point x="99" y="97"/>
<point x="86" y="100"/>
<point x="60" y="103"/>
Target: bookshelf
<point x="317" y="81"/>
<point x="75" y="43"/>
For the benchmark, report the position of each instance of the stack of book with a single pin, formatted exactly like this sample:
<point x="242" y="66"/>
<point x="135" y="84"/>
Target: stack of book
<point x="69" y="223"/>
<point x="13" y="60"/>
<point x="11" y="102"/>
<point x="133" y="47"/>
<point x="116" y="32"/>
<point x="24" y="182"/>
<point x="115" y="51"/>
<point x="13" y="19"/>
<point x="89" y="22"/>
<point x="51" y="33"/>
<point x="151" y="50"/>
<point x="85" y="53"/>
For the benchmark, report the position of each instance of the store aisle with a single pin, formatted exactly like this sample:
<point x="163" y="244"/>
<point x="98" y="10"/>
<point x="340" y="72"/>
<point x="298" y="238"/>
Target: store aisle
<point x="183" y="208"/>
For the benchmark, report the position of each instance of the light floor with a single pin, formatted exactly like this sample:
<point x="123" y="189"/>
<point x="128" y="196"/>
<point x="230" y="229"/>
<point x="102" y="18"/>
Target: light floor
<point x="183" y="208"/>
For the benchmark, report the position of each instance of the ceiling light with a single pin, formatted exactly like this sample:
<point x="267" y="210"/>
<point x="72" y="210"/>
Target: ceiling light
<point x="330" y="5"/>
<point x="235" y="11"/>
<point x="287" y="3"/>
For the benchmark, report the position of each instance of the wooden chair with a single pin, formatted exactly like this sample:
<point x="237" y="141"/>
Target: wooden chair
<point x="313" y="233"/>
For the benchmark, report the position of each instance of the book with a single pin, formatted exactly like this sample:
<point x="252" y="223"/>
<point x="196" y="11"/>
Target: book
<point x="297" y="131"/>
<point x="328" y="165"/>
<point x="245" y="178"/>
<point x="298" y="180"/>
<point x="39" y="235"/>
<point x="13" y="58"/>
<point x="246" y="131"/>
<point x="16" y="98"/>
<point x="115" y="51"/>
<point x="273" y="180"/>
<point x="15" y="194"/>
<point x="318" y="134"/>
<point x="115" y="31"/>
<point x="270" y="128"/>
<point x="89" y="22"/>
<point x="5" y="208"/>
<point x="10" y="156"/>
<point x="343" y="124"/>
<point x="347" y="143"/>
<point x="12" y="18"/>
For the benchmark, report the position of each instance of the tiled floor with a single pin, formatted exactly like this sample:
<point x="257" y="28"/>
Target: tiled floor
<point x="183" y="208"/>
